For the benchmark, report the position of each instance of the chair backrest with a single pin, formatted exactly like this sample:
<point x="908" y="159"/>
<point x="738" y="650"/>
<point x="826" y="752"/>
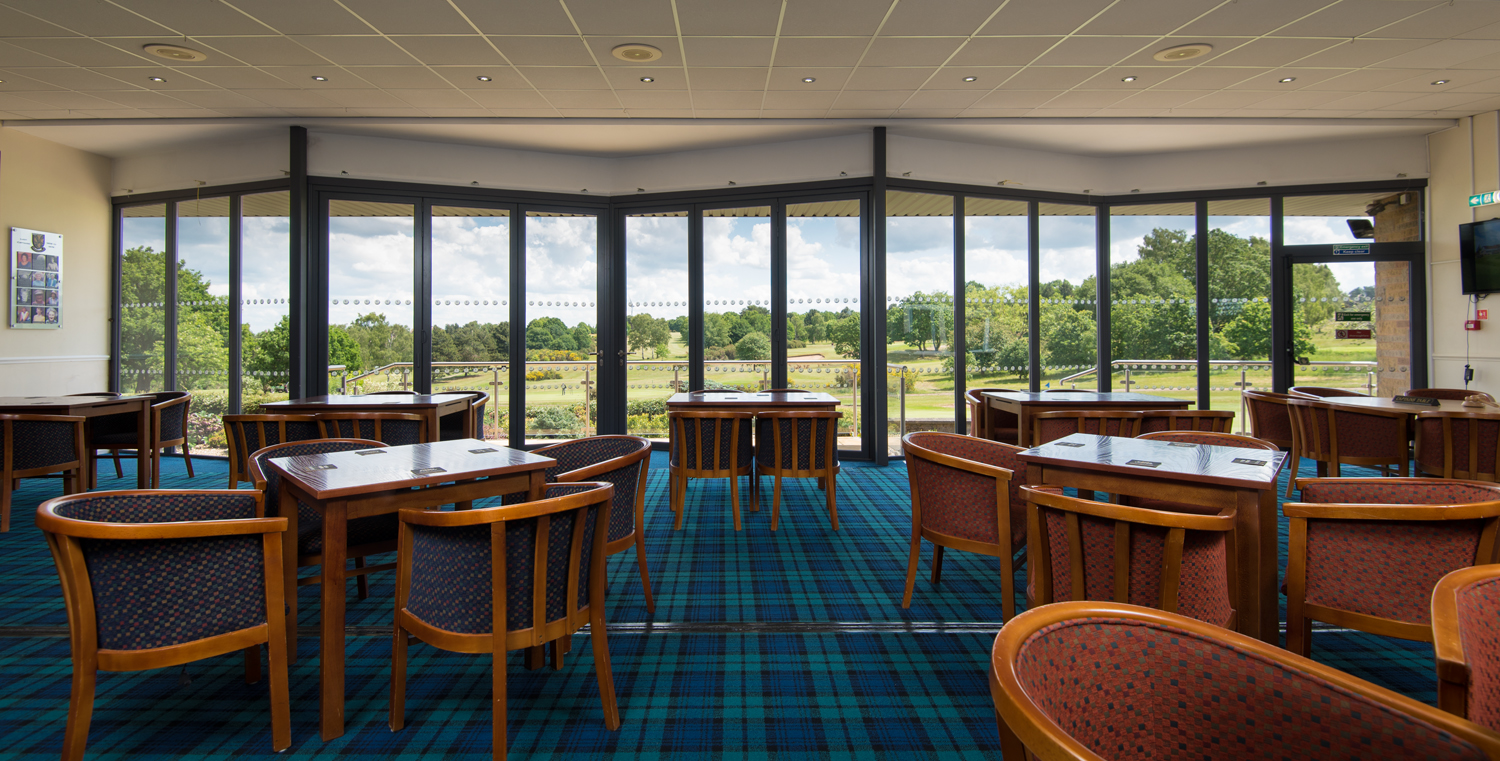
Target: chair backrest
<point x="169" y="416"/>
<point x="393" y="428"/>
<point x="391" y="393"/>
<point x="1050" y="426"/>
<point x="40" y="444"/>
<point x="711" y="443"/>
<point x="1270" y="418"/>
<point x="1331" y="432"/>
<point x="1100" y="551"/>
<point x="1321" y="392"/>
<point x="980" y="416"/>
<point x="1465" y="605"/>
<point x="622" y="461"/>
<point x="268" y="481"/>
<point x="249" y="433"/>
<point x="451" y="426"/>
<point x="799" y="443"/>
<point x="1455" y="394"/>
<point x="966" y="487"/>
<point x="155" y="569"/>
<point x="1459" y="444"/>
<point x="99" y="393"/>
<point x="1208" y="438"/>
<point x="1060" y="675"/>
<point x="1217" y="421"/>
<point x="553" y="555"/>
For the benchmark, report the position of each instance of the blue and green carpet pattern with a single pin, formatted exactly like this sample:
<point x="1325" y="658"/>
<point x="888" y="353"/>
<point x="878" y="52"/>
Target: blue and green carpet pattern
<point x="763" y="644"/>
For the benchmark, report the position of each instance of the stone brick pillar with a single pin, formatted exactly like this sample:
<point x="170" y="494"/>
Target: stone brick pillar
<point x="1394" y="222"/>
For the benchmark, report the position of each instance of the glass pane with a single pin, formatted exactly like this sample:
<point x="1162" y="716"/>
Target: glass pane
<point x="737" y="298"/>
<point x="1383" y="217"/>
<point x="1067" y="297"/>
<point x="996" y="325"/>
<point x="822" y="263"/>
<point x="1153" y="275"/>
<point x="562" y="254"/>
<point x="143" y="297"/>
<point x="1239" y="287"/>
<point x="470" y="307"/>
<point x="265" y="254"/>
<point x="371" y="258"/>
<point x="203" y="319"/>
<point x="919" y="311"/>
<point x="1335" y="346"/>
<point x="656" y="329"/>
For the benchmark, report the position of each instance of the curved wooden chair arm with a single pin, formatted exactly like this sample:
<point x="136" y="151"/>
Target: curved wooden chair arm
<point x="1223" y="521"/>
<point x="187" y="399"/>
<point x="1448" y="648"/>
<point x="589" y="471"/>
<point x="49" y="521"/>
<point x="980" y="468"/>
<point x="603" y="492"/>
<point x="1395" y="512"/>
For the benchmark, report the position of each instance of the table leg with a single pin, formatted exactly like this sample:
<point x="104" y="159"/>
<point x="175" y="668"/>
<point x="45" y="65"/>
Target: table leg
<point x="143" y="448"/>
<point x="1255" y="533"/>
<point x="538" y="483"/>
<point x="331" y="648"/>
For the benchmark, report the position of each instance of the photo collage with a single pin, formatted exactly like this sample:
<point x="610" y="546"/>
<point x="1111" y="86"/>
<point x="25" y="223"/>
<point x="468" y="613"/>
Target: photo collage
<point x="36" y="261"/>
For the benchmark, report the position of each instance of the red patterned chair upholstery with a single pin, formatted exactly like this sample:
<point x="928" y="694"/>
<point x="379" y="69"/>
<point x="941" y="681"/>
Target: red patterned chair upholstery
<point x="1051" y="426"/>
<point x="252" y="433"/>
<point x="1110" y="681"/>
<point x="550" y="554"/>
<point x="1216" y="421"/>
<point x="987" y="423"/>
<point x="1320" y="392"/>
<point x="1332" y="436"/>
<point x="1365" y="553"/>
<point x="1454" y="394"/>
<point x="159" y="578"/>
<point x="799" y="444"/>
<point x="1175" y="561"/>
<point x="711" y="444"/>
<point x="394" y="428"/>
<point x="965" y="494"/>
<point x="366" y="536"/>
<point x="1271" y="420"/>
<point x="36" y="445"/>
<point x="1466" y="641"/>
<point x="1204" y="438"/>
<point x="1459" y="445"/>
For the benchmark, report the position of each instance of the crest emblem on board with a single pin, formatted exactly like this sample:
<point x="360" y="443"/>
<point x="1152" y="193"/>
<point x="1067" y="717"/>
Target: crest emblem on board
<point x="39" y="242"/>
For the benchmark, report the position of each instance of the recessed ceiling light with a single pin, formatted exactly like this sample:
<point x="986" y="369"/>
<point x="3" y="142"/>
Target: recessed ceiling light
<point x="809" y="80"/>
<point x="156" y="79"/>
<point x="1127" y="79"/>
<point x="175" y="52"/>
<point x="971" y="79"/>
<point x="1183" y="52"/>
<point x="648" y="79"/>
<point x="636" y="52"/>
<point x="482" y="78"/>
<point x="1441" y="82"/>
<point x="320" y="79"/>
<point x="1284" y="80"/>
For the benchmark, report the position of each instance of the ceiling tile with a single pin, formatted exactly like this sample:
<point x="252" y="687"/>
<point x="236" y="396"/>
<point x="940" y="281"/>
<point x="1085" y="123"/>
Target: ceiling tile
<point x="1272" y="52"/>
<point x="20" y="103"/>
<point x="467" y="77"/>
<point x="1129" y="113"/>
<point x="1491" y="32"/>
<point x="1441" y="100"/>
<point x="1364" y="79"/>
<point x="1142" y="57"/>
<point x="217" y="99"/>
<point x="1443" y="54"/>
<point x="645" y="17"/>
<point x="1247" y="18"/>
<point x="564" y="78"/>
<point x="238" y="77"/>
<point x="1262" y="113"/>
<point x="727" y="100"/>
<point x="516" y="16"/>
<point x="1295" y="100"/>
<point x="1359" y="53"/>
<point x="563" y="99"/>
<point x="796" y="113"/>
<point x="261" y="51"/>
<point x="471" y="50"/>
<point x="130" y="78"/>
<point x="448" y="98"/>
<point x="141" y="98"/>
<point x="714" y="18"/>
<point x="302" y="76"/>
<point x="1093" y="51"/>
<point x="103" y="79"/>
<point x="457" y="113"/>
<point x="671" y="52"/>
<point x="629" y="78"/>
<point x="544" y="51"/>
<point x="1044" y="16"/>
<point x="1271" y="80"/>
<point x="75" y="100"/>
<point x="1092" y="99"/>
<point x="734" y="79"/>
<point x="356" y="51"/>
<point x="1197" y="113"/>
<point x="403" y="77"/>
<point x="57" y="114"/>
<point x="593" y="113"/>
<point x="791" y="79"/>
<point x="1485" y="84"/>
<point x="410" y="16"/>
<point x="728" y="51"/>
<point x="660" y="113"/>
<point x="1015" y="99"/>
<point x="662" y="99"/>
<point x="14" y="56"/>
<point x="1444" y="21"/>
<point x="1231" y="99"/>
<point x="1063" y="113"/>
<point x="1148" y="16"/>
<point x="781" y="101"/>
<point x="820" y="51"/>
<point x="957" y="17"/>
<point x="1003" y="51"/>
<point x="302" y="16"/>
<point x="926" y="113"/>
<point x="265" y="111"/>
<point x="81" y="52"/>
<point x="524" y="113"/>
<point x="280" y="98"/>
<point x="905" y="80"/>
<point x="17" y="24"/>
<point x="366" y="98"/>
<point x="911" y="51"/>
<point x="336" y="111"/>
<point x="101" y="19"/>
<point x="1209" y="78"/>
<point x="1048" y="78"/>
<point x="994" y="113"/>
<point x="986" y="77"/>
<point x="1367" y="100"/>
<point x="1421" y="81"/>
<point x="193" y="18"/>
<point x="11" y="81"/>
<point x="1487" y="62"/>
<point x="1161" y="98"/>
<point x="527" y="99"/>
<point x="727" y="114"/>
<point x="829" y="17"/>
<point x="1352" y="18"/>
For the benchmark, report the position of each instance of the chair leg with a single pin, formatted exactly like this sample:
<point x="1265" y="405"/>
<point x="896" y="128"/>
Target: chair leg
<point x="640" y="559"/>
<point x="497" y="697"/>
<point x="281" y="702"/>
<point x="252" y="664"/>
<point x="559" y="649"/>
<point x="187" y="459"/>
<point x="155" y="460"/>
<point x="118" y="472"/>
<point x="776" y="503"/>
<point x="911" y="568"/>
<point x="599" y="638"/>
<point x="80" y="706"/>
<point x="397" y="718"/>
<point x="937" y="563"/>
<point x="535" y="657"/>
<point x="679" y="498"/>
<point x="734" y="499"/>
<point x="831" y="497"/>
<point x="1291" y="479"/>
<point x="5" y="506"/>
<point x="361" y="582"/>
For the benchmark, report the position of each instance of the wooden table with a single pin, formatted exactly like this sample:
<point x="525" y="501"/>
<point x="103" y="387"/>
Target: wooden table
<point x="753" y="402"/>
<point x="1190" y="474"/>
<point x="1025" y="404"/>
<point x="1387" y="403"/>
<point x="92" y="407"/>
<point x="433" y="406"/>
<point x="356" y="484"/>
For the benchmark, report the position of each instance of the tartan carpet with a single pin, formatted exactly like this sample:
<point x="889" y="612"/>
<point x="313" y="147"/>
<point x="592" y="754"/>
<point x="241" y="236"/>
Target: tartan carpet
<point x="866" y="678"/>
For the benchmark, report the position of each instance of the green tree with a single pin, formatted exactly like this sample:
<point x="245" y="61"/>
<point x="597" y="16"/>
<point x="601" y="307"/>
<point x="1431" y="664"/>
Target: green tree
<point x="1250" y="334"/>
<point x="344" y="350"/>
<point x="583" y="338"/>
<point x="1315" y="293"/>
<point x="715" y="330"/>
<point x="1068" y="337"/>
<point x="921" y="319"/>
<point x="549" y="333"/>
<point x="644" y="332"/>
<point x="844" y="333"/>
<point x="678" y="325"/>
<point x="380" y="341"/>
<point x="754" y="346"/>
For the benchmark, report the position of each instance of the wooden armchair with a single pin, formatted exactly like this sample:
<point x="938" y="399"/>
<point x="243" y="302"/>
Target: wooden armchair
<point x="168" y="421"/>
<point x="1332" y="436"/>
<point x="1088" y="681"/>
<point x="1465" y="605"/>
<point x="1458" y="445"/>
<point x="799" y="444"/>
<point x="393" y="428"/>
<point x="1365" y="553"/>
<point x="1320" y="392"/>
<point x="1453" y="394"/>
<point x="1050" y="426"/>
<point x="251" y="433"/>
<point x="36" y="445"/>
<point x="711" y="444"/>
<point x="1271" y="420"/>
<point x="987" y="423"/>
<point x="1214" y="421"/>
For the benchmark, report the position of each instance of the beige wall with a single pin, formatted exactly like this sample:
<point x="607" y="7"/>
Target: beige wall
<point x="53" y="188"/>
<point x="1465" y="160"/>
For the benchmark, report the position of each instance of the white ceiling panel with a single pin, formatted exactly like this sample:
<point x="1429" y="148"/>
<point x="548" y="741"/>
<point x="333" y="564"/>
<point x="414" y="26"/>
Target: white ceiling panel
<point x="1359" y="53"/>
<point x="1352" y="18"/>
<point x="357" y="51"/>
<point x="1149" y="16"/>
<point x="193" y="18"/>
<point x="1093" y="51"/>
<point x="1161" y="98"/>
<point x="985" y="77"/>
<point x="943" y="99"/>
<point x="1003" y="51"/>
<point x="911" y="51"/>
<point x="403" y="77"/>
<point x="512" y="99"/>
<point x="647" y="99"/>
<point x="467" y="77"/>
<point x="467" y="50"/>
<point x="629" y="78"/>
<point x="1048" y="78"/>
<point x="731" y="80"/>
<point x="104" y="79"/>
<point x="410" y="16"/>
<point x="727" y="101"/>
<point x="1046" y="17"/>
<point x="436" y="98"/>
<point x="95" y="19"/>
<point x="889" y="79"/>
<point x="715" y="18"/>
<point x="369" y="98"/>
<point x="1444" y="54"/>
<point x="302" y="16"/>
<point x="1445" y="20"/>
<point x="15" y="56"/>
<point x="958" y="17"/>
<point x="1206" y="77"/>
<point x="238" y="77"/>
<point x="138" y="99"/>
<point x="583" y="99"/>
<point x="564" y="78"/>
<point x="302" y="76"/>
<point x="14" y="23"/>
<point x="1093" y="99"/>
<point x="217" y="99"/>
<point x="1230" y="99"/>
<point x="612" y="17"/>
<point x="792" y="79"/>
<point x="1015" y="99"/>
<point x="832" y="17"/>
<point x="277" y="98"/>
<point x="516" y="17"/>
<point x="78" y="100"/>
<point x="1272" y="52"/>
<point x="259" y="51"/>
<point x="728" y="51"/>
<point x="781" y="101"/>
<point x="820" y="51"/>
<point x="544" y="51"/>
<point x="78" y="51"/>
<point x="1245" y="18"/>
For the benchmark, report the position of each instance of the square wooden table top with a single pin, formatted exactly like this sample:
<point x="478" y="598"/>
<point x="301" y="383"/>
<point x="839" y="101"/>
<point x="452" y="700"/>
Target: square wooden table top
<point x="365" y="471"/>
<point x="19" y="402"/>
<point x="1093" y="398"/>
<point x="1226" y="466"/>
<point x="334" y="401"/>
<point x="763" y="400"/>
<point x="1387" y="403"/>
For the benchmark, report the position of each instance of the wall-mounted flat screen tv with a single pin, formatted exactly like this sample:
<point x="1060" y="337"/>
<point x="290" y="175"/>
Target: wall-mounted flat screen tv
<point x="1479" y="256"/>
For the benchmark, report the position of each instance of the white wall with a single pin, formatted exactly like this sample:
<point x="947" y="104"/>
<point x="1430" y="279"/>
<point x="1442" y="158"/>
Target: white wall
<point x="198" y="164"/>
<point x="1465" y="160"/>
<point x="49" y="187"/>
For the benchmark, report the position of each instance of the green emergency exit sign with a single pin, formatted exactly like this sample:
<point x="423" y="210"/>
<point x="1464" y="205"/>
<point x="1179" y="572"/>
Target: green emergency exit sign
<point x="1484" y="199"/>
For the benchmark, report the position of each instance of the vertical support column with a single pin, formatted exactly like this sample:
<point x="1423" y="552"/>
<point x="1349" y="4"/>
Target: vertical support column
<point x="117" y="278"/>
<point x="422" y="297"/>
<point x="517" y="397"/>
<point x="236" y="302"/>
<point x="610" y="391"/>
<point x="778" y="294"/>
<point x="1102" y="300"/>
<point x="873" y="312"/>
<point x="309" y="299"/>
<point x="1204" y="304"/>
<point x="1033" y="292"/>
<point x="1282" y="360"/>
<point x="695" y="300"/>
<point x="959" y="341"/>
<point x="169" y="328"/>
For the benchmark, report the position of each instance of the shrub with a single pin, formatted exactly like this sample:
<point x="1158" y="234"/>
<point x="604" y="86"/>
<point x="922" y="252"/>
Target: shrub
<point x="541" y="375"/>
<point x="552" y="418"/>
<point x="646" y="407"/>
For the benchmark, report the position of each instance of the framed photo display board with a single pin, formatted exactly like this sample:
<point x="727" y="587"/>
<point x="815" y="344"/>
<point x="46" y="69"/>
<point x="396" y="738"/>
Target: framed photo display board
<point x="36" y="267"/>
